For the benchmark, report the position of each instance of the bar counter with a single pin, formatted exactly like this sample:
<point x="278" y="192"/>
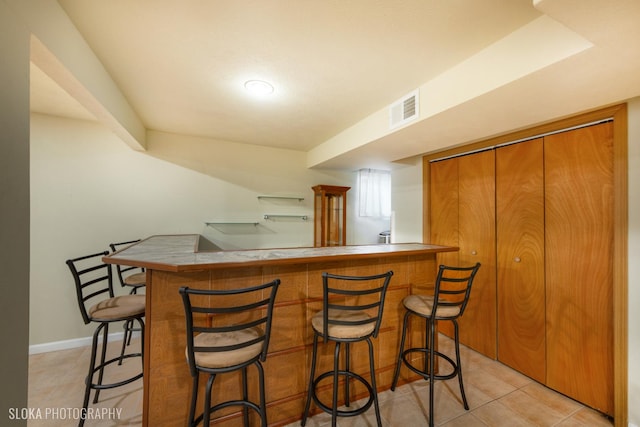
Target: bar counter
<point x="173" y="261"/>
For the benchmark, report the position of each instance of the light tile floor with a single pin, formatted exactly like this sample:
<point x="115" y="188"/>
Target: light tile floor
<point x="497" y="395"/>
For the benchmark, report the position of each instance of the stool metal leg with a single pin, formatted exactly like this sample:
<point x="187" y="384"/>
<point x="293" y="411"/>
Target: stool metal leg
<point x="245" y="396"/>
<point x="432" y="373"/>
<point x="126" y="339"/>
<point x="99" y="366"/>
<point x="373" y="383"/>
<point x="394" y="383"/>
<point x="263" y="399"/>
<point x="194" y="398"/>
<point x="206" y="415"/>
<point x="103" y="355"/>
<point x="92" y="365"/>
<point x="307" y="405"/>
<point x="335" y="375"/>
<point x="347" y="367"/>
<point x="429" y="345"/>
<point x="459" y="367"/>
<point x="141" y="323"/>
<point x="336" y="368"/>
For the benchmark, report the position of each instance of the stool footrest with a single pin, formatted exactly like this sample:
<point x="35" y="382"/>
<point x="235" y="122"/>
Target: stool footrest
<point x="221" y="405"/>
<point x="344" y="413"/>
<point x="425" y="373"/>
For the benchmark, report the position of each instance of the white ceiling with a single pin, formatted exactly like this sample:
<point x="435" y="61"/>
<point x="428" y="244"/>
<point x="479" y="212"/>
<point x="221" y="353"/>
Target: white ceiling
<point x="335" y="64"/>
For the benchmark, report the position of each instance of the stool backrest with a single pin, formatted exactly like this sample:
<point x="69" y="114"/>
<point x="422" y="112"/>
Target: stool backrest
<point x="354" y="293"/>
<point x="219" y="311"/>
<point x="453" y="287"/>
<point x="123" y="271"/>
<point x="93" y="280"/>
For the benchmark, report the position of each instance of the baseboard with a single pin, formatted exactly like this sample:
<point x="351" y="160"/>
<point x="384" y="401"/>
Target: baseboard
<point x="73" y="343"/>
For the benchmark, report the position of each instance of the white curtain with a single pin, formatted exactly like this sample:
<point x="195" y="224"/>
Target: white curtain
<point x="374" y="193"/>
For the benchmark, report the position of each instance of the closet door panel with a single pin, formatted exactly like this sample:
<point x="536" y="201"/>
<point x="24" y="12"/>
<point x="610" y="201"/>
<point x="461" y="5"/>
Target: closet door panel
<point x="476" y="189"/>
<point x="444" y="200"/>
<point x="579" y="250"/>
<point x="443" y="205"/>
<point x="520" y="257"/>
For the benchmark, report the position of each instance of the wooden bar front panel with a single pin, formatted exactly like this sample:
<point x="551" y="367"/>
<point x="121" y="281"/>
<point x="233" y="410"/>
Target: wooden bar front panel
<point x="167" y="378"/>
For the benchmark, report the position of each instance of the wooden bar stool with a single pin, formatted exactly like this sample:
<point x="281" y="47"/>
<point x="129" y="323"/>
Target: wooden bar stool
<point x="228" y="330"/>
<point x="452" y="290"/>
<point x="98" y="304"/>
<point x="352" y="312"/>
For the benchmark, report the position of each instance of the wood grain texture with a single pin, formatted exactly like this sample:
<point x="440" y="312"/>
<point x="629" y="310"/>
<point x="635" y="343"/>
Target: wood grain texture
<point x="520" y="257"/>
<point x="167" y="379"/>
<point x="579" y="267"/>
<point x="478" y="244"/>
<point x="462" y="212"/>
<point x="443" y="205"/>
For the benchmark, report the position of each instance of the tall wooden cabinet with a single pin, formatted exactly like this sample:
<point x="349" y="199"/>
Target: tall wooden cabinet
<point x="551" y="283"/>
<point x="330" y="215"/>
<point x="463" y="214"/>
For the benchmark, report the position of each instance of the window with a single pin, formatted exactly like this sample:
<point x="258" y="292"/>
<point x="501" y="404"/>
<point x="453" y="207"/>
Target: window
<point x="374" y="193"/>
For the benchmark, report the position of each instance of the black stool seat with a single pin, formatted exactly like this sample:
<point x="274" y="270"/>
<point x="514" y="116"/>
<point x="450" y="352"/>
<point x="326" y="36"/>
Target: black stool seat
<point x="352" y="312"/>
<point x="450" y="298"/>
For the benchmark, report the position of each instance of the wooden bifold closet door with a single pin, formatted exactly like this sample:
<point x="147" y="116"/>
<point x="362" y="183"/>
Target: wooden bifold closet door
<point x="539" y="216"/>
<point x="579" y="264"/>
<point x="520" y="257"/>
<point x="463" y="214"/>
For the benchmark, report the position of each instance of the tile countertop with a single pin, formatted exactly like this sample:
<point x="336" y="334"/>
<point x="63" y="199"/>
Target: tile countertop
<point x="180" y="253"/>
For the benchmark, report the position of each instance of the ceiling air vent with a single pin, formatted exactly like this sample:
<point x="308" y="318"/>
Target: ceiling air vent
<point x="404" y="110"/>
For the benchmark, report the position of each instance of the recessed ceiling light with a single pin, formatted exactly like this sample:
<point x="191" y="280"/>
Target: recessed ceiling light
<point x="258" y="87"/>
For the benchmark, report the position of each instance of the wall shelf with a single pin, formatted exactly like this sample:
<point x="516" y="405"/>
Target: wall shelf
<point x="231" y="223"/>
<point x="299" y="199"/>
<point x="235" y="227"/>
<point x="278" y="216"/>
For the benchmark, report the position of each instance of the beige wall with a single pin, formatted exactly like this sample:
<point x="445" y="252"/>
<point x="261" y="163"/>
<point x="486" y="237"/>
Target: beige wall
<point x="406" y="201"/>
